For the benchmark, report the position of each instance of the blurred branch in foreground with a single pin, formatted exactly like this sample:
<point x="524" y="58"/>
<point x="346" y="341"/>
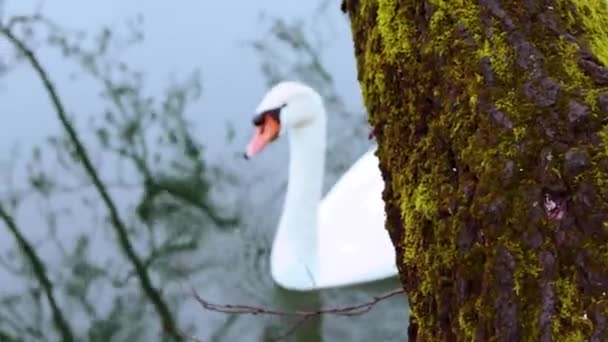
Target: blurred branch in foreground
<point x="167" y="319"/>
<point x="127" y="132"/>
<point x="39" y="271"/>
<point x="300" y="316"/>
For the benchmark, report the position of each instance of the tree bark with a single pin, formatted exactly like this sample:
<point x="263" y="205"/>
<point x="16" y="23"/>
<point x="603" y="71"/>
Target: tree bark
<point x="490" y="118"/>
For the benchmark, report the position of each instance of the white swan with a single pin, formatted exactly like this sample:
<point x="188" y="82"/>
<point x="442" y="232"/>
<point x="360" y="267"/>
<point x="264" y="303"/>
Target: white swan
<point x="335" y="242"/>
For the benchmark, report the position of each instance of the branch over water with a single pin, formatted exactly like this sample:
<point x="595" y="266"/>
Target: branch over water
<point x="167" y="319"/>
<point x="300" y="316"/>
<point x="39" y="270"/>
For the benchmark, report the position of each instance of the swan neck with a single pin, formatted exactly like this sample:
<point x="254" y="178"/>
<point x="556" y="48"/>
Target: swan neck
<point x="306" y="166"/>
<point x="298" y="222"/>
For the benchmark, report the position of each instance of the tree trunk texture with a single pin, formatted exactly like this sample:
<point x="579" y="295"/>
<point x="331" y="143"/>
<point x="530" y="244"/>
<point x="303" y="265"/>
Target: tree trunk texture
<point x="490" y="118"/>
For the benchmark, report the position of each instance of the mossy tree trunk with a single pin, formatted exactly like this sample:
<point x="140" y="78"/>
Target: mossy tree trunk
<point x="490" y="118"/>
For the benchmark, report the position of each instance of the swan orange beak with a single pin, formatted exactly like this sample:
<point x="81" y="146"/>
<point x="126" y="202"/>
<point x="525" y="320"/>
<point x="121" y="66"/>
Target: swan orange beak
<point x="266" y="131"/>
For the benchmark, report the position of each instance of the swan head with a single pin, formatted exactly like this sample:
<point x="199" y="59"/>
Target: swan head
<point x="287" y="106"/>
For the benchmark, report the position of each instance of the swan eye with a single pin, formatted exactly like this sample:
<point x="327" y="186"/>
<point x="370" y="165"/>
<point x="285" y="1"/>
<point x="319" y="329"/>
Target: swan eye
<point x="258" y="120"/>
<point x="274" y="113"/>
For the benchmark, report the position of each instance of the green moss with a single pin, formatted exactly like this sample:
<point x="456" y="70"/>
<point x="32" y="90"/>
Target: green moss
<point x="570" y="310"/>
<point x="395" y="33"/>
<point x="420" y="205"/>
<point x="402" y="70"/>
<point x="604" y="136"/>
<point x="499" y="52"/>
<point x="519" y="132"/>
<point x="574" y="77"/>
<point x="424" y="201"/>
<point x="594" y="18"/>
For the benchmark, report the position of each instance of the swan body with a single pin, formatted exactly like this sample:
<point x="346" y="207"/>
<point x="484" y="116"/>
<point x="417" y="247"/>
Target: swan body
<point x="336" y="241"/>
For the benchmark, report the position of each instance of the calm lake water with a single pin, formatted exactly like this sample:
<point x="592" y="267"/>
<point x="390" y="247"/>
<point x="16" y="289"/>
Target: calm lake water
<point x="208" y="36"/>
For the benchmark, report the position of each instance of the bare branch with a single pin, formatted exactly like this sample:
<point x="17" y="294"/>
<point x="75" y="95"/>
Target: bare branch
<point x="27" y="19"/>
<point x="167" y="320"/>
<point x="40" y="273"/>
<point x="300" y="316"/>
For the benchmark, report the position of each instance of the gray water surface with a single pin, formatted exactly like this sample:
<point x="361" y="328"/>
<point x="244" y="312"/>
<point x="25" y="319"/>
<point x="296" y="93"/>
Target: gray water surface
<point x="208" y="35"/>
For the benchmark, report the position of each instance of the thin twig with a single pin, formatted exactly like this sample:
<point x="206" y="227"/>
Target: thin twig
<point x="21" y="19"/>
<point x="302" y="316"/>
<point x="167" y="320"/>
<point x="62" y="325"/>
